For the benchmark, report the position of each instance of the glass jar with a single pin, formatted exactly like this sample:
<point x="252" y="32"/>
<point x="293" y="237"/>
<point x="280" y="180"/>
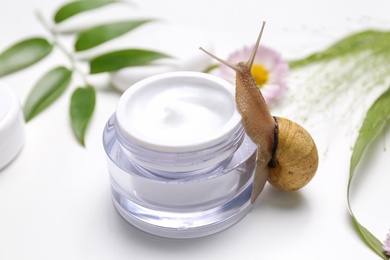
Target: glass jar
<point x="169" y="179"/>
<point x="12" y="126"/>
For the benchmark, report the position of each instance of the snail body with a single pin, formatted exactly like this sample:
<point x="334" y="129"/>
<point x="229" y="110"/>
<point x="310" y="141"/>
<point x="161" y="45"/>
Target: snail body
<point x="287" y="154"/>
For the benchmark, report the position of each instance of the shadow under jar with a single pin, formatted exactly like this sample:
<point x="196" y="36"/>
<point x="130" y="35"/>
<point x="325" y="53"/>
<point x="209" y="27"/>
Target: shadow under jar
<point x="180" y="163"/>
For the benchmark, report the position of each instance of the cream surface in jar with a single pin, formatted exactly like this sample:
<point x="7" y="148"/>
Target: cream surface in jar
<point x="168" y="113"/>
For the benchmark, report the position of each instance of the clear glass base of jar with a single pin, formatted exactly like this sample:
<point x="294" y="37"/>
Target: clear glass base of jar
<point x="190" y="207"/>
<point x="183" y="225"/>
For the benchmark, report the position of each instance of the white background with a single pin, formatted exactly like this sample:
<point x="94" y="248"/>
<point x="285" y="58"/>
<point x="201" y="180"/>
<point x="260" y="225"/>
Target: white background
<point x="55" y="198"/>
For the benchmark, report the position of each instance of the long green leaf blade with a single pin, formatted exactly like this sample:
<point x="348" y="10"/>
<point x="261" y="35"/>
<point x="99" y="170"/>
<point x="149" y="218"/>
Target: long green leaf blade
<point x="76" y="7"/>
<point x="376" y="42"/>
<point x="82" y="106"/>
<point x="100" y="34"/>
<point x="46" y="91"/>
<point x="373" y="124"/>
<point x="23" y="54"/>
<point x="114" y="61"/>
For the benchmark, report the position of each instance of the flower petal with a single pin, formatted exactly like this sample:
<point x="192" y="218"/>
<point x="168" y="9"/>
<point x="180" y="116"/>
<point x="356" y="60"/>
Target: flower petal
<point x="272" y="61"/>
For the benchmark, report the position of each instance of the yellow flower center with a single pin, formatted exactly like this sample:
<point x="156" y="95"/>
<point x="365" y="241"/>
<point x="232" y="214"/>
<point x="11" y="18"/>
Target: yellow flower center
<point x="260" y="74"/>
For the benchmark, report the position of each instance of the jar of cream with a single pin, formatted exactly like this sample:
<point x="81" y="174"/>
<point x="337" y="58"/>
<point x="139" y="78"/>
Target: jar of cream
<point x="12" y="132"/>
<point x="180" y="163"/>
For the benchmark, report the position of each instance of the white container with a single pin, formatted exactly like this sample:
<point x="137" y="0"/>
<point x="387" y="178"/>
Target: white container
<point x="11" y="125"/>
<point x="180" y="163"/>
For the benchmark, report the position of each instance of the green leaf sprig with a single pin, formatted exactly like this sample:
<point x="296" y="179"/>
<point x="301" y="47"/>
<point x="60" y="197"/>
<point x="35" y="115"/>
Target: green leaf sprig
<point x="359" y="62"/>
<point x="54" y="82"/>
<point x="375" y="42"/>
<point x="356" y="66"/>
<point x="376" y="118"/>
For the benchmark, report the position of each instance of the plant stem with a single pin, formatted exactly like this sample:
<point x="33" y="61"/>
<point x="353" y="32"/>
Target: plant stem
<point x="58" y="43"/>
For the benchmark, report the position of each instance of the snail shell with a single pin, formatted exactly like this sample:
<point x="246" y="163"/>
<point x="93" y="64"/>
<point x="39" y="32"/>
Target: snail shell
<point x="296" y="157"/>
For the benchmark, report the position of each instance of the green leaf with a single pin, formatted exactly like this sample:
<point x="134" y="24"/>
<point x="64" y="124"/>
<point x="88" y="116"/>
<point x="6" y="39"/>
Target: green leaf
<point x="374" y="122"/>
<point x="211" y="68"/>
<point x="23" y="54"/>
<point x="82" y="106"/>
<point x="370" y="239"/>
<point x="76" y="7"/>
<point x="376" y="42"/>
<point x="103" y="33"/>
<point x="46" y="91"/>
<point x="125" y="58"/>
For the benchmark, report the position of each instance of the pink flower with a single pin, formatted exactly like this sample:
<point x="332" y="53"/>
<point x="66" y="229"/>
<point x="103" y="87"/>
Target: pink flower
<point x="269" y="70"/>
<point x="386" y="244"/>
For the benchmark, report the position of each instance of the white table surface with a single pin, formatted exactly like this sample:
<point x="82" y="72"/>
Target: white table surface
<point x="55" y="197"/>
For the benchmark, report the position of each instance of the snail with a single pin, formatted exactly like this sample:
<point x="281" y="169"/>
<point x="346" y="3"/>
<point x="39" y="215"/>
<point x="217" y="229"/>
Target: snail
<point x="287" y="155"/>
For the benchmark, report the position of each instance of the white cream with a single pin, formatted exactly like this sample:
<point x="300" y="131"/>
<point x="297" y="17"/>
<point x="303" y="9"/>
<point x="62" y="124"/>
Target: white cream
<point x="178" y="111"/>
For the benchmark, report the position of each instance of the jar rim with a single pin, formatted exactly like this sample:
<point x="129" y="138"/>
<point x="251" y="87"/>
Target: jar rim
<point x="229" y="127"/>
<point x="118" y="156"/>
